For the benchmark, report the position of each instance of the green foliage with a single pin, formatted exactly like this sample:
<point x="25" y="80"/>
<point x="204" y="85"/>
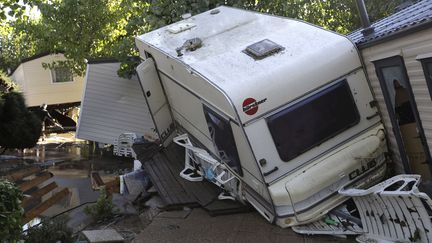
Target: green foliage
<point x="6" y="84"/>
<point x="50" y="231"/>
<point x="19" y="128"/>
<point x="10" y="8"/>
<point x="103" y="209"/>
<point x="11" y="212"/>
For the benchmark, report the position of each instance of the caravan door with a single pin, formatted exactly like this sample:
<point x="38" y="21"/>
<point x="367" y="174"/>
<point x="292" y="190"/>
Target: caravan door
<point x="156" y="99"/>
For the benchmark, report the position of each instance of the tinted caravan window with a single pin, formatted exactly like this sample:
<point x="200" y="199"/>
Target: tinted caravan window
<point x="313" y="120"/>
<point x="222" y="135"/>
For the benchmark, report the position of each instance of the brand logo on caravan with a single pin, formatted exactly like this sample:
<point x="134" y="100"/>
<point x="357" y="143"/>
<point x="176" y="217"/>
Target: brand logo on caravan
<point x="250" y="105"/>
<point x="362" y="170"/>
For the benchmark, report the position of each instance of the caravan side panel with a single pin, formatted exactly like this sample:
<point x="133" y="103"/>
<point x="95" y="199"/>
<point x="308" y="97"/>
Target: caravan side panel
<point x="409" y="47"/>
<point x="112" y="105"/>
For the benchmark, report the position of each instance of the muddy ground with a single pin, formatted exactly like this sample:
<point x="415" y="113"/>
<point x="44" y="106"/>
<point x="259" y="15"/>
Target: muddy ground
<point x="71" y="161"/>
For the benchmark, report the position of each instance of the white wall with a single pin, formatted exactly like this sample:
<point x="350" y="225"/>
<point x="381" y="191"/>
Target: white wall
<point x="409" y="47"/>
<point x="112" y="105"/>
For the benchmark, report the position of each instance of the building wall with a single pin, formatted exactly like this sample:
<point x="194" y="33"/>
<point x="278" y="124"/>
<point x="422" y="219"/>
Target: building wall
<point x="38" y="87"/>
<point x="112" y="105"/>
<point x="409" y="47"/>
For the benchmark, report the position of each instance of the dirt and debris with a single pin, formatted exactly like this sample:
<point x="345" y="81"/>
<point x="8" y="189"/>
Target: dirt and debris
<point x="139" y="218"/>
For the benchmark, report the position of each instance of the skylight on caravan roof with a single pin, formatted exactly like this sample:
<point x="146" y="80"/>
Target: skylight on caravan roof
<point x="262" y="49"/>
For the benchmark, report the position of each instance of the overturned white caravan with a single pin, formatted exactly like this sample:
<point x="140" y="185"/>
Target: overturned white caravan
<point x="276" y="111"/>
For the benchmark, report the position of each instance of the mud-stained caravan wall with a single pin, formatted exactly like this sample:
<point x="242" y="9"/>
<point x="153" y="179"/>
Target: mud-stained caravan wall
<point x="112" y="105"/>
<point x="40" y="86"/>
<point x="218" y="80"/>
<point x="403" y="41"/>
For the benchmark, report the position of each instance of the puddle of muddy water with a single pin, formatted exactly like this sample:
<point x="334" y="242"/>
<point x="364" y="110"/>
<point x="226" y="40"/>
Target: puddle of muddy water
<point x="71" y="163"/>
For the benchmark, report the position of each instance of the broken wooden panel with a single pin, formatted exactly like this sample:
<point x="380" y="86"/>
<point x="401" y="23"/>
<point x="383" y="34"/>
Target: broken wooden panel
<point x="26" y="185"/>
<point x="38" y="194"/>
<point x="36" y="211"/>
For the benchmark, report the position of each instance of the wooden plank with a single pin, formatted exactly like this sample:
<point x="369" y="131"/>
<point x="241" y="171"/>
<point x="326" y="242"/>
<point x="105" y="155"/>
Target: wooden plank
<point x="24" y="186"/>
<point x="175" y="189"/>
<point x="38" y="194"/>
<point x="172" y="188"/>
<point x="156" y="182"/>
<point x="170" y="185"/>
<point x="165" y="182"/>
<point x="34" y="212"/>
<point x="17" y="175"/>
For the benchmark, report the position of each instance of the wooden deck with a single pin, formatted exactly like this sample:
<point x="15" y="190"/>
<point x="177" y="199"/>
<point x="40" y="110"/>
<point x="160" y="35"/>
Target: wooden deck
<point x="32" y="181"/>
<point x="177" y="192"/>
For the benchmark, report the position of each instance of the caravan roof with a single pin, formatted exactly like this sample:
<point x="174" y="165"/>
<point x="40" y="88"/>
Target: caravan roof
<point x="310" y="56"/>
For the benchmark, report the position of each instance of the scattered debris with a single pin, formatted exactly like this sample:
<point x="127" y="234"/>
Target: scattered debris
<point x="112" y="186"/>
<point x="338" y="222"/>
<point x="394" y="210"/>
<point x="135" y="182"/>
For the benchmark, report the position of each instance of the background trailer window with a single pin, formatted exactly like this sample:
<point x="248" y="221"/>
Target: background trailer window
<point x="313" y="120"/>
<point x="427" y="69"/>
<point x="222" y="136"/>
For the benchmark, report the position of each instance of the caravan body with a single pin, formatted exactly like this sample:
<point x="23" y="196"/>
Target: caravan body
<point x="283" y="104"/>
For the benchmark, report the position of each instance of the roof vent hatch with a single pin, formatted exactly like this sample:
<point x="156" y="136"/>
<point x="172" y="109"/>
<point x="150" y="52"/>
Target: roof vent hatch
<point x="263" y="49"/>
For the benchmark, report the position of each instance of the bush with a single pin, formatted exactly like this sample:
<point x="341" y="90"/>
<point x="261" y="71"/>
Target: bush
<point x="19" y="128"/>
<point x="50" y="231"/>
<point x="11" y="212"/>
<point x="103" y="209"/>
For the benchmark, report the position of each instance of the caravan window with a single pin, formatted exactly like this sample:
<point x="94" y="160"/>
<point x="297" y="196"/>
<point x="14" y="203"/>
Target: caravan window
<point x="223" y="139"/>
<point x="61" y="75"/>
<point x="313" y="120"/>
